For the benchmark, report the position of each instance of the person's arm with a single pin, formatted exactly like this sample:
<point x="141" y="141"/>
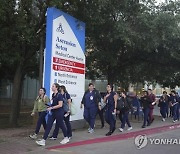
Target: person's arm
<point x="59" y="105"/>
<point x="83" y="99"/>
<point x="34" y="109"/>
<point x="105" y="98"/>
<point x="115" y="102"/>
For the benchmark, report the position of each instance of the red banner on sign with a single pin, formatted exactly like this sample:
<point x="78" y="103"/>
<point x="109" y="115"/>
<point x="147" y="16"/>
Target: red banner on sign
<point x="68" y="62"/>
<point x="68" y="69"/>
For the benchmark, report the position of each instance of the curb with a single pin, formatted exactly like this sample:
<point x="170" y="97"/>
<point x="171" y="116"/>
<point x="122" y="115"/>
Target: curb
<point x="118" y="137"/>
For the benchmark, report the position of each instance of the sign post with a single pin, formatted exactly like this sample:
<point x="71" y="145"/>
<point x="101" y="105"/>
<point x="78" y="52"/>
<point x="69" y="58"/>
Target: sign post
<point x="64" y="56"/>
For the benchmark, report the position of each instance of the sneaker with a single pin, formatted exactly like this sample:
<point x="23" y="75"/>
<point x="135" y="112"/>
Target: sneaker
<point x="34" y="136"/>
<point x="121" y="130"/>
<point x="175" y="121"/>
<point x="102" y="126"/>
<point x="91" y="131"/>
<point x="163" y="119"/>
<point x="130" y="128"/>
<point x="41" y="142"/>
<point x="143" y="126"/>
<point x="65" y="140"/>
<point x="149" y="124"/>
<point x="109" y="133"/>
<point x="52" y="138"/>
<point x="70" y="137"/>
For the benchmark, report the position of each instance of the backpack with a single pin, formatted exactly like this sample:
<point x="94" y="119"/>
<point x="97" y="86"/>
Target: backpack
<point x="65" y="104"/>
<point x="120" y="104"/>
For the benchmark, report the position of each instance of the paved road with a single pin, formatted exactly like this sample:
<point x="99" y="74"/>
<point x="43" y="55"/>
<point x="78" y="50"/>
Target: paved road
<point x="127" y="146"/>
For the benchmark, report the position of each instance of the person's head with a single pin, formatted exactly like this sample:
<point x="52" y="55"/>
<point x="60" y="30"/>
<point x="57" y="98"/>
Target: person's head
<point x="91" y="87"/>
<point x="149" y="91"/>
<point x="164" y="93"/>
<point x="145" y="93"/>
<point x="123" y="94"/>
<point x="55" y="87"/>
<point x="42" y="91"/>
<point x="173" y="93"/>
<point x="109" y="87"/>
<point x="63" y="89"/>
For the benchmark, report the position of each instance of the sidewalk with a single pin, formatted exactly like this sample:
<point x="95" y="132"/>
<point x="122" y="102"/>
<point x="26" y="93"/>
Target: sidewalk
<point x="16" y="141"/>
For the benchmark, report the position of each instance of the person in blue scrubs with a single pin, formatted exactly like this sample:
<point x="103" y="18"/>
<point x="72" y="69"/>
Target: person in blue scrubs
<point x="110" y="113"/>
<point x="127" y="106"/>
<point x="90" y="101"/>
<point x="66" y="107"/>
<point x="174" y="104"/>
<point x="163" y="104"/>
<point x="178" y="106"/>
<point x="146" y="103"/>
<point x="57" y="114"/>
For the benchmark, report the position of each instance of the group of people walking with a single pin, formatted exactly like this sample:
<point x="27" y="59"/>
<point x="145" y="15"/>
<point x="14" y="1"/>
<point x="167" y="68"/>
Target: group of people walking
<point x="58" y="109"/>
<point x="109" y="106"/>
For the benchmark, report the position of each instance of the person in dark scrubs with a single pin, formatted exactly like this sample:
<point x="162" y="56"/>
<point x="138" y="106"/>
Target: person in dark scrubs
<point x="127" y="106"/>
<point x="174" y="101"/>
<point x="90" y="101"/>
<point x="146" y="103"/>
<point x="57" y="114"/>
<point x="110" y="113"/>
<point x="66" y="107"/>
<point x="163" y="104"/>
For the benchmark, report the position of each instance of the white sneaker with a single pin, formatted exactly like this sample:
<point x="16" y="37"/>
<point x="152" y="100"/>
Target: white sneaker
<point x="130" y="128"/>
<point x="41" y="142"/>
<point x="65" y="140"/>
<point x="52" y="138"/>
<point x="91" y="131"/>
<point x="69" y="138"/>
<point x="121" y="130"/>
<point x="175" y="121"/>
<point x="34" y="136"/>
<point x="163" y="119"/>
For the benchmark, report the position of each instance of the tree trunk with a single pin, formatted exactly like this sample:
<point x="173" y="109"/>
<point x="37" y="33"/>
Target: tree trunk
<point x="110" y="76"/>
<point x="16" y="93"/>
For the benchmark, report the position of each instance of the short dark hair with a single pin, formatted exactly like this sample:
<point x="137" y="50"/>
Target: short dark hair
<point x="110" y="86"/>
<point x="124" y="92"/>
<point x="43" y="90"/>
<point x="145" y="92"/>
<point x="173" y="91"/>
<point x="164" y="92"/>
<point x="91" y="84"/>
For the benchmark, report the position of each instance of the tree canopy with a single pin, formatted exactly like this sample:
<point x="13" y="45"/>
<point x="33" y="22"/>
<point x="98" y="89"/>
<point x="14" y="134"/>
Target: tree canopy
<point x="127" y="41"/>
